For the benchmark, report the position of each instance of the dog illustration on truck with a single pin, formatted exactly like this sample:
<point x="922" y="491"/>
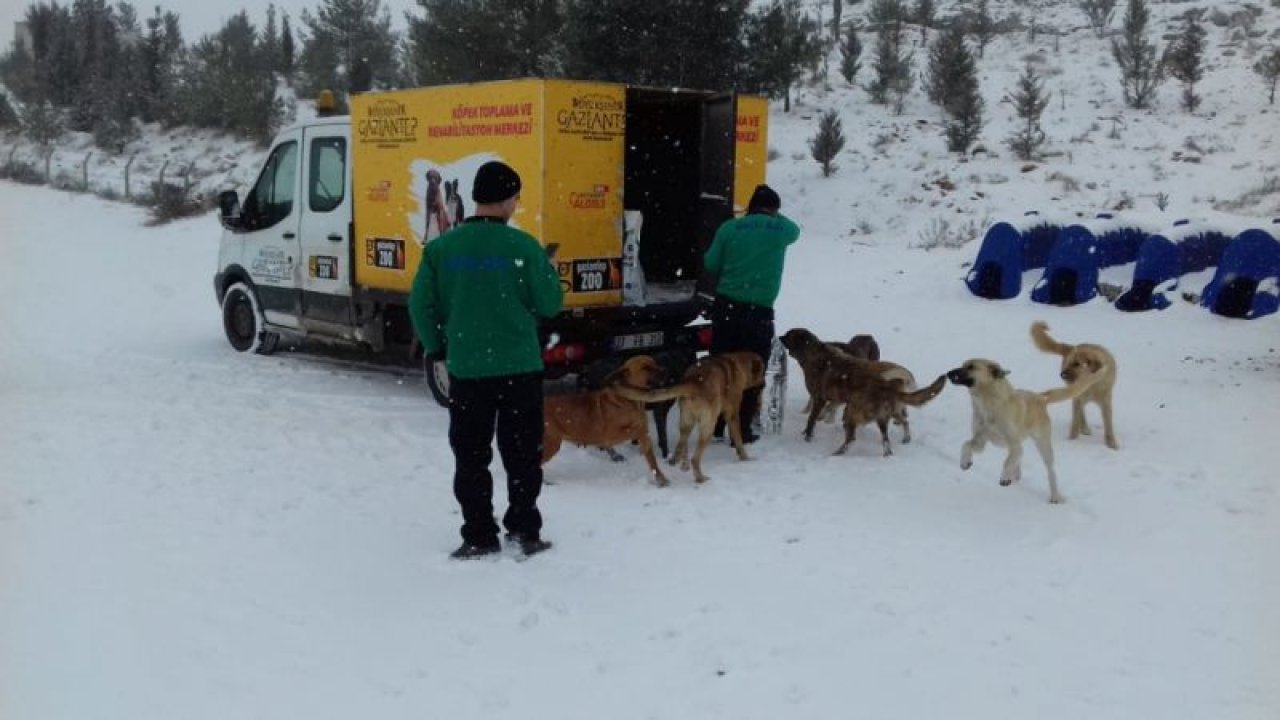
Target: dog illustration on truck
<point x="325" y="243"/>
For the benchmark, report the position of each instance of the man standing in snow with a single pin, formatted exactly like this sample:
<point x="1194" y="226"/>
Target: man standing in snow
<point x="475" y="303"/>
<point x="747" y="256"/>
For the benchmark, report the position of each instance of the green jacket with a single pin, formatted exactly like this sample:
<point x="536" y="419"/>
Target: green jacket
<point x="747" y="256"/>
<point x="477" y="296"/>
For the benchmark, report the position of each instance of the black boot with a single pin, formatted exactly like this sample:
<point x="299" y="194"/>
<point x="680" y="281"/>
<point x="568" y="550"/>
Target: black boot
<point x="469" y="551"/>
<point x="529" y="544"/>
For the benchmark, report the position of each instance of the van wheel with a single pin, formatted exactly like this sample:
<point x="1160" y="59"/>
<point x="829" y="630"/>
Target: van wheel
<point x="436" y="373"/>
<point x="243" y="322"/>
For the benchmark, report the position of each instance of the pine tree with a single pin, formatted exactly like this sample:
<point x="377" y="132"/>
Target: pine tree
<point x="780" y="42"/>
<point x="828" y="142"/>
<point x="925" y="14"/>
<point x="271" y="40"/>
<point x="982" y="26"/>
<point x="836" y="11"/>
<point x="892" y="65"/>
<point x="226" y="85"/>
<point x="351" y="47"/>
<point x="1029" y="101"/>
<point x="458" y="40"/>
<point x="288" y="53"/>
<point x="1268" y="67"/>
<point x="951" y="83"/>
<point x="850" y="52"/>
<point x="665" y="43"/>
<point x="42" y="122"/>
<point x="1099" y="13"/>
<point x="1184" y="57"/>
<point x="1140" y="70"/>
<point x="886" y="12"/>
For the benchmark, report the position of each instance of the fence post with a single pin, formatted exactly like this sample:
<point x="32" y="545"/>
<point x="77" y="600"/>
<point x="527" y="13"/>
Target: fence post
<point x="163" y="168"/>
<point x="84" y="172"/>
<point x="48" y="162"/>
<point x="132" y="157"/>
<point x="12" y="151"/>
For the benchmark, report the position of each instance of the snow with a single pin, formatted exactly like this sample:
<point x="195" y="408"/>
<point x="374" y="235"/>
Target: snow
<point x="190" y="532"/>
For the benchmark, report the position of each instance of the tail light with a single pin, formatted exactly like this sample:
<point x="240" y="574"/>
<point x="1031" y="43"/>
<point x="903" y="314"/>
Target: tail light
<point x="704" y="338"/>
<point x="564" y="353"/>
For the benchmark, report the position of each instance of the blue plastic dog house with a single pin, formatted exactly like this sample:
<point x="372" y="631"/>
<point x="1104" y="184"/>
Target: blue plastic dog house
<point x="997" y="273"/>
<point x="1071" y="275"/>
<point x="1247" y="282"/>
<point x="1159" y="263"/>
<point x="1006" y="253"/>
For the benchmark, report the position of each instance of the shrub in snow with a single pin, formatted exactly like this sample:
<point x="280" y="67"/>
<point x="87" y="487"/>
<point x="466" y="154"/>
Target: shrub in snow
<point x="828" y="142"/>
<point x="1269" y="68"/>
<point x="1099" y="13"/>
<point x="850" y="51"/>
<point x="1029" y="101"/>
<point x="1184" y="57"/>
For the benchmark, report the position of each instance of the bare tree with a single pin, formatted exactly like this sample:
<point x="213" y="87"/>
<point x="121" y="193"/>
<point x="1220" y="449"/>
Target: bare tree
<point x="1099" y="13"/>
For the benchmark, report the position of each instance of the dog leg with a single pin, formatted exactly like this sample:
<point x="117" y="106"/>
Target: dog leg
<point x="646" y="446"/>
<point x="1012" y="470"/>
<point x="735" y="430"/>
<point x="681" y="455"/>
<point x="901" y="419"/>
<point x="550" y="446"/>
<point x="814" y="412"/>
<point x="1108" y="425"/>
<point x="850" y="434"/>
<point x="829" y="415"/>
<point x="1078" y="425"/>
<point x="614" y="455"/>
<point x="660" y="413"/>
<point x="884" y="435"/>
<point x="973" y="445"/>
<point x="705" y="430"/>
<point x="1044" y="445"/>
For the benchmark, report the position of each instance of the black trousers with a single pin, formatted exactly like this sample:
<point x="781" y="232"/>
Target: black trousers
<point x="513" y="406"/>
<point x="743" y="327"/>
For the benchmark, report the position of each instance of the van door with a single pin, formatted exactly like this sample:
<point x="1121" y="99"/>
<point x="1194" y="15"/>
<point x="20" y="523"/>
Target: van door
<point x="326" y="224"/>
<point x="719" y="139"/>
<point x="270" y="220"/>
<point x="715" y="202"/>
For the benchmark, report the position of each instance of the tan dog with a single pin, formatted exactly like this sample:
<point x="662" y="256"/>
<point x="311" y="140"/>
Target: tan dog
<point x="833" y="376"/>
<point x="605" y="417"/>
<point x="1078" y="361"/>
<point x="711" y="387"/>
<point x="1005" y="417"/>
<point x="814" y="357"/>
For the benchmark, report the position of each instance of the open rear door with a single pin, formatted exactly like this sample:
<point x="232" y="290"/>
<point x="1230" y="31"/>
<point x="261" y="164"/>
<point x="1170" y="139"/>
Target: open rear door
<point x="719" y="124"/>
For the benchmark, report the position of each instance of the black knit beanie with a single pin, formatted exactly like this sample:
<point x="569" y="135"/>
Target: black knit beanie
<point x="495" y="182"/>
<point x="764" y="198"/>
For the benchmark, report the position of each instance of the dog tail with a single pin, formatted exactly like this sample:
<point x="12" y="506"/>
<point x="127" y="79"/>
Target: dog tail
<point x="924" y="395"/>
<point x="650" y="396"/>
<point x="1072" y="391"/>
<point x="1040" y="336"/>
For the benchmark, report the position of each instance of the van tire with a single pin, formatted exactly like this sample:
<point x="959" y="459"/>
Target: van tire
<point x="436" y="373"/>
<point x="243" y="322"/>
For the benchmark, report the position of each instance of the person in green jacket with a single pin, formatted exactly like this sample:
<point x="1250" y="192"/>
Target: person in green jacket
<point x="747" y="256"/>
<point x="476" y="300"/>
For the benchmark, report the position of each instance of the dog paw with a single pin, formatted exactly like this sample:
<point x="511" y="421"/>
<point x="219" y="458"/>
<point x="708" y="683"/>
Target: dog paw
<point x="1006" y="482"/>
<point x="1113" y="444"/>
<point x="661" y="480"/>
<point x="966" y="464"/>
<point x="1057" y="499"/>
<point x="701" y="478"/>
<point x="685" y="466"/>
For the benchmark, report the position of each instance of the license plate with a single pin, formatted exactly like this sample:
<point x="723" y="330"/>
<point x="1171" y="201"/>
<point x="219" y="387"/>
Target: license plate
<point x="638" y="341"/>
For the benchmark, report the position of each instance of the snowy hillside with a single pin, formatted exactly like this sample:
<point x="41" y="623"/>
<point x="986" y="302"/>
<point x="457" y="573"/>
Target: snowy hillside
<point x="896" y="183"/>
<point x="189" y="532"/>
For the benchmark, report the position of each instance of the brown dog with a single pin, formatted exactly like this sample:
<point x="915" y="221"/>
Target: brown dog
<point x="709" y="388"/>
<point x="833" y="376"/>
<point x="1005" y="417"/>
<point x="605" y="417"/>
<point x="813" y="359"/>
<point x="1078" y="361"/>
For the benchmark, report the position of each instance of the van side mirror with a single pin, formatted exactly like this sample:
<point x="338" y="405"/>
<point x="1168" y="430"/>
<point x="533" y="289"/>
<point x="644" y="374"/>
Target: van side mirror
<point x="229" y="208"/>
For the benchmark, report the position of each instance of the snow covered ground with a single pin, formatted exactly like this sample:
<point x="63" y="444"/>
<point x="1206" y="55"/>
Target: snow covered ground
<point x="188" y="532"/>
